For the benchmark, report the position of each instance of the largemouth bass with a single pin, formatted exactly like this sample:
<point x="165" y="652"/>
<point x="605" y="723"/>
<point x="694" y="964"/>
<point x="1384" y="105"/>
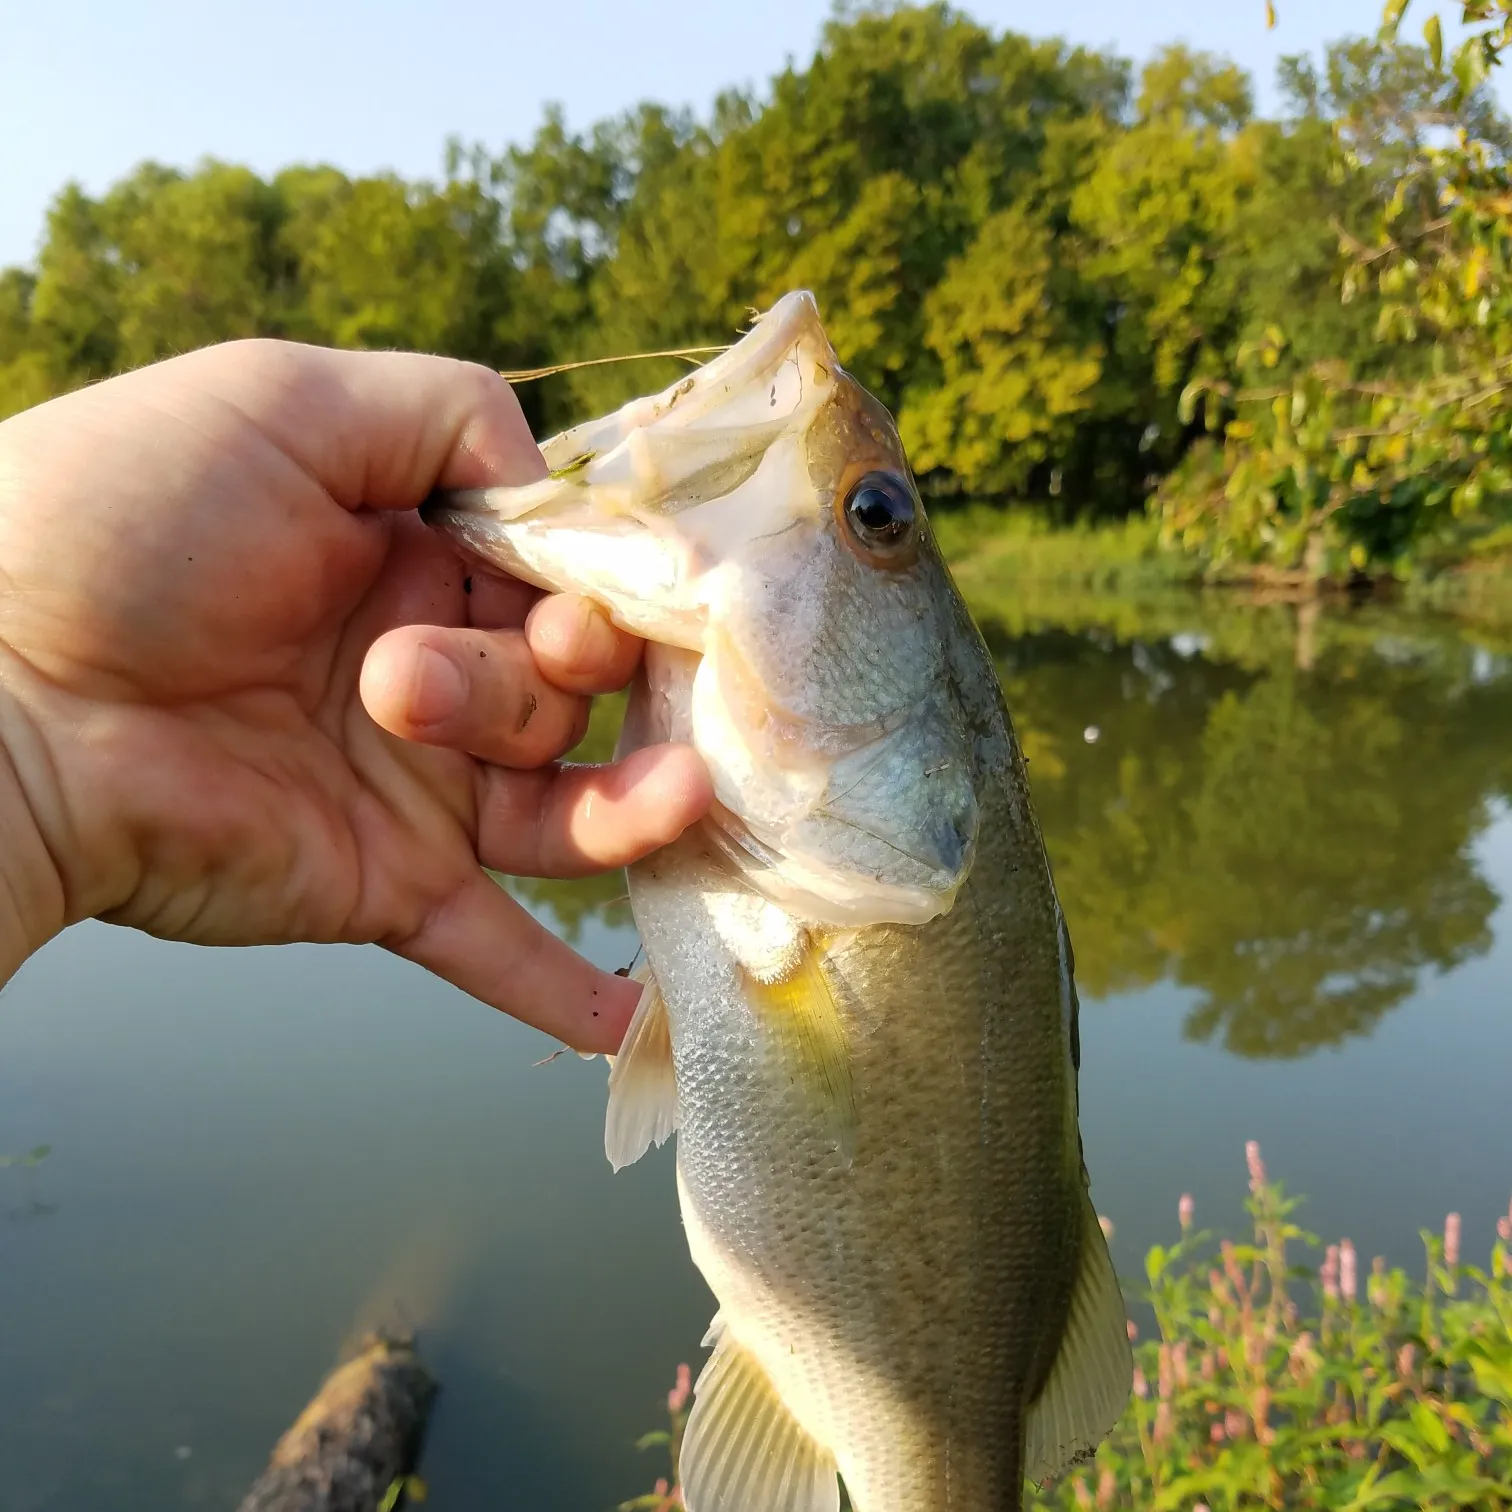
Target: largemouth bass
<point x="859" y="1014"/>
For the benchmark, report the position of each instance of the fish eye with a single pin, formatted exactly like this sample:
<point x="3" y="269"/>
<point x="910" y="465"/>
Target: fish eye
<point x="880" y="512"/>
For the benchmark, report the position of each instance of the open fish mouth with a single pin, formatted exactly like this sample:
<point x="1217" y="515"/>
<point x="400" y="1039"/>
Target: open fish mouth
<point x="641" y="508"/>
<point x="711" y="518"/>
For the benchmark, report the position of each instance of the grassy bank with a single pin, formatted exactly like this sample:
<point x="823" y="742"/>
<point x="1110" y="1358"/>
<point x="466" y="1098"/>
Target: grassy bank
<point x="1015" y="566"/>
<point x="1271" y="1384"/>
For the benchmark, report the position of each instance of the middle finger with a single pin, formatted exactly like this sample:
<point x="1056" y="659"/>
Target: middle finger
<point x="478" y="691"/>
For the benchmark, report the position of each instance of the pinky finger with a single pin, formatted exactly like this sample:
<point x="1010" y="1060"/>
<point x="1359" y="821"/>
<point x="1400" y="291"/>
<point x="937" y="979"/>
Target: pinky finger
<point x="482" y="941"/>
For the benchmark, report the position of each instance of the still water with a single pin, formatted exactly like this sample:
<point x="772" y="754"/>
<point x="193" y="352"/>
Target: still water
<point x="1284" y="845"/>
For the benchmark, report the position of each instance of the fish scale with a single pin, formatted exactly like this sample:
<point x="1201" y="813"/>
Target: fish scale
<point x="858" y="1012"/>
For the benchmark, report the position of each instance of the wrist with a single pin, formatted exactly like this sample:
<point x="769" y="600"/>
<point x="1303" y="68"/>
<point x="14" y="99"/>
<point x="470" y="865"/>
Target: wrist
<point x="32" y="907"/>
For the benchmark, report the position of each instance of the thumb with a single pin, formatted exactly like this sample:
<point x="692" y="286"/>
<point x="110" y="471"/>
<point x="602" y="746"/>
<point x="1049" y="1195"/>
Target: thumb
<point x="380" y="429"/>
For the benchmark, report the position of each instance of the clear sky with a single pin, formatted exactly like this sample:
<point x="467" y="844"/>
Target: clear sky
<point x="92" y="87"/>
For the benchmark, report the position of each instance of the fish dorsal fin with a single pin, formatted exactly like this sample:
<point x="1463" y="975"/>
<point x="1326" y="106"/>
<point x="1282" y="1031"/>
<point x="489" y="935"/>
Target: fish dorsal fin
<point x="1088" y="1387"/>
<point x="642" y="1082"/>
<point x="743" y="1451"/>
<point x="801" y="1013"/>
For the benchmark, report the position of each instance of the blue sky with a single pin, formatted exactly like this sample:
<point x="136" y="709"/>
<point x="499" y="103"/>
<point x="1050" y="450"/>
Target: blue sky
<point x="89" y="89"/>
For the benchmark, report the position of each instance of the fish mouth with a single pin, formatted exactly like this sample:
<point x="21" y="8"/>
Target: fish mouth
<point x="639" y="506"/>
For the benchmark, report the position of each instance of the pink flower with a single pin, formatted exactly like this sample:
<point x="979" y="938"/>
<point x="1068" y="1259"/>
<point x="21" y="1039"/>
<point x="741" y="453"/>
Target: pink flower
<point x="1452" y="1239"/>
<point x="1347" y="1280"/>
<point x="1106" y="1225"/>
<point x="1141" y="1386"/>
<point x="661" y="1485"/>
<point x="1234" y="1423"/>
<point x="1107" y="1489"/>
<point x="1504" y="1230"/>
<point x="1405" y="1357"/>
<point x="1298" y="1358"/>
<point x="1376" y="1289"/>
<point x="1083" y="1495"/>
<point x="1185" y="1209"/>
<point x="1162" y="1422"/>
<point x="1256" y="1165"/>
<point x="1133" y="1329"/>
<point x="1167" y="1377"/>
<point x="1329" y="1275"/>
<point x="1179" y="1361"/>
<point x="1215" y="1433"/>
<point x="677" y="1398"/>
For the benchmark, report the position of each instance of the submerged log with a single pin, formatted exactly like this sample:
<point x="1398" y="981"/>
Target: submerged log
<point x="357" y="1440"/>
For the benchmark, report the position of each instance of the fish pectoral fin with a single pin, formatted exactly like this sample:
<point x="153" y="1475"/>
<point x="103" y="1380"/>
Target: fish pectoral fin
<point x="1088" y="1387"/>
<point x="802" y="1015"/>
<point x="642" y="1082"/>
<point x="743" y="1451"/>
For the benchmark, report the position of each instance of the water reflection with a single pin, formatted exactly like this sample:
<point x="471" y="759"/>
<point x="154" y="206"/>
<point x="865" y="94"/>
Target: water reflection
<point x="1277" y="809"/>
<point x="1294" y="843"/>
<point x="1288" y="833"/>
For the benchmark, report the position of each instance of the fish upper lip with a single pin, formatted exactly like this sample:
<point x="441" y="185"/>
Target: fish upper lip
<point x="776" y="332"/>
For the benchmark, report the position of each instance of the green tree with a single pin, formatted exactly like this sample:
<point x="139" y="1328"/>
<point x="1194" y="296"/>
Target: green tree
<point x="1366" y="459"/>
<point x="27" y="373"/>
<point x="1016" y="374"/>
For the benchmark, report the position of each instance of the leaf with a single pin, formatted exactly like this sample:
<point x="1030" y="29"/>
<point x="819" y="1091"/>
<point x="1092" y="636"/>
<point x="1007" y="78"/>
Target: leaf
<point x="1431" y="1426"/>
<point x="1391" y="18"/>
<point x="1270" y="15"/>
<point x="1433" y="35"/>
<point x="651" y="1440"/>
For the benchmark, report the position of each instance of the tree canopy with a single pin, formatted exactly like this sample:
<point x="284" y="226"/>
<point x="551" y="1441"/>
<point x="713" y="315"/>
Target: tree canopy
<point x="1073" y="281"/>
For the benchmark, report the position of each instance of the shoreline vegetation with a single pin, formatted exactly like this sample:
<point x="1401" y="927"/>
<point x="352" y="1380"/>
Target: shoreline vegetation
<point x="1281" y="343"/>
<point x="1061" y="574"/>
<point x="1267" y="1383"/>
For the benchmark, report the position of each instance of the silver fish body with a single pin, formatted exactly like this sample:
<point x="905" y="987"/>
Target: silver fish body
<point x="860" y="1014"/>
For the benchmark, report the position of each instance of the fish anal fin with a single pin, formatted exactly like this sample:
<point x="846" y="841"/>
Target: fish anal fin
<point x="1088" y="1386"/>
<point x="642" y="1082"/>
<point x="743" y="1451"/>
<point x="802" y="1014"/>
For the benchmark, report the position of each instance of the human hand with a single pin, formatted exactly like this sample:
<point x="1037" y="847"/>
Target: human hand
<point x="218" y="616"/>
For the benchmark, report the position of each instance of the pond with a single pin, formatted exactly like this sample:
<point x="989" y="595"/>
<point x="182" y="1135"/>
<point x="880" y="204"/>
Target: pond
<point x="1284" y="843"/>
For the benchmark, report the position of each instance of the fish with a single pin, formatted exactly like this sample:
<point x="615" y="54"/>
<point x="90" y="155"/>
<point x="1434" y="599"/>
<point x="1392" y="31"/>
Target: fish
<point x="858" y="1013"/>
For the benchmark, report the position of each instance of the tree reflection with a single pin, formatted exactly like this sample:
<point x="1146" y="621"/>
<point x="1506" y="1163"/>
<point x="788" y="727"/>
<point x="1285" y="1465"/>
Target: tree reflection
<point x="1295" y="845"/>
<point x="1293" y="842"/>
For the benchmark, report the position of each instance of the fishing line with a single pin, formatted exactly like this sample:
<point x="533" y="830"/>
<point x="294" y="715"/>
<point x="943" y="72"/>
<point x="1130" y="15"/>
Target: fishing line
<point x="527" y="375"/>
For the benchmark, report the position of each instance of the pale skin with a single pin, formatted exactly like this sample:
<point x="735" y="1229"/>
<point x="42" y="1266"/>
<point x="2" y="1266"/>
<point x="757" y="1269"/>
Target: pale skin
<point x="246" y="697"/>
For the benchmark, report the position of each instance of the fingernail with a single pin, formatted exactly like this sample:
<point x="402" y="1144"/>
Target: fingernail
<point x="437" y="687"/>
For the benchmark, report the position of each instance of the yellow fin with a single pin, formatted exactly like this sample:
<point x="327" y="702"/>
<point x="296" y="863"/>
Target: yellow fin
<point x="743" y="1450"/>
<point x="802" y="1014"/>
<point x="1088" y="1387"/>
<point x="642" y="1082"/>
